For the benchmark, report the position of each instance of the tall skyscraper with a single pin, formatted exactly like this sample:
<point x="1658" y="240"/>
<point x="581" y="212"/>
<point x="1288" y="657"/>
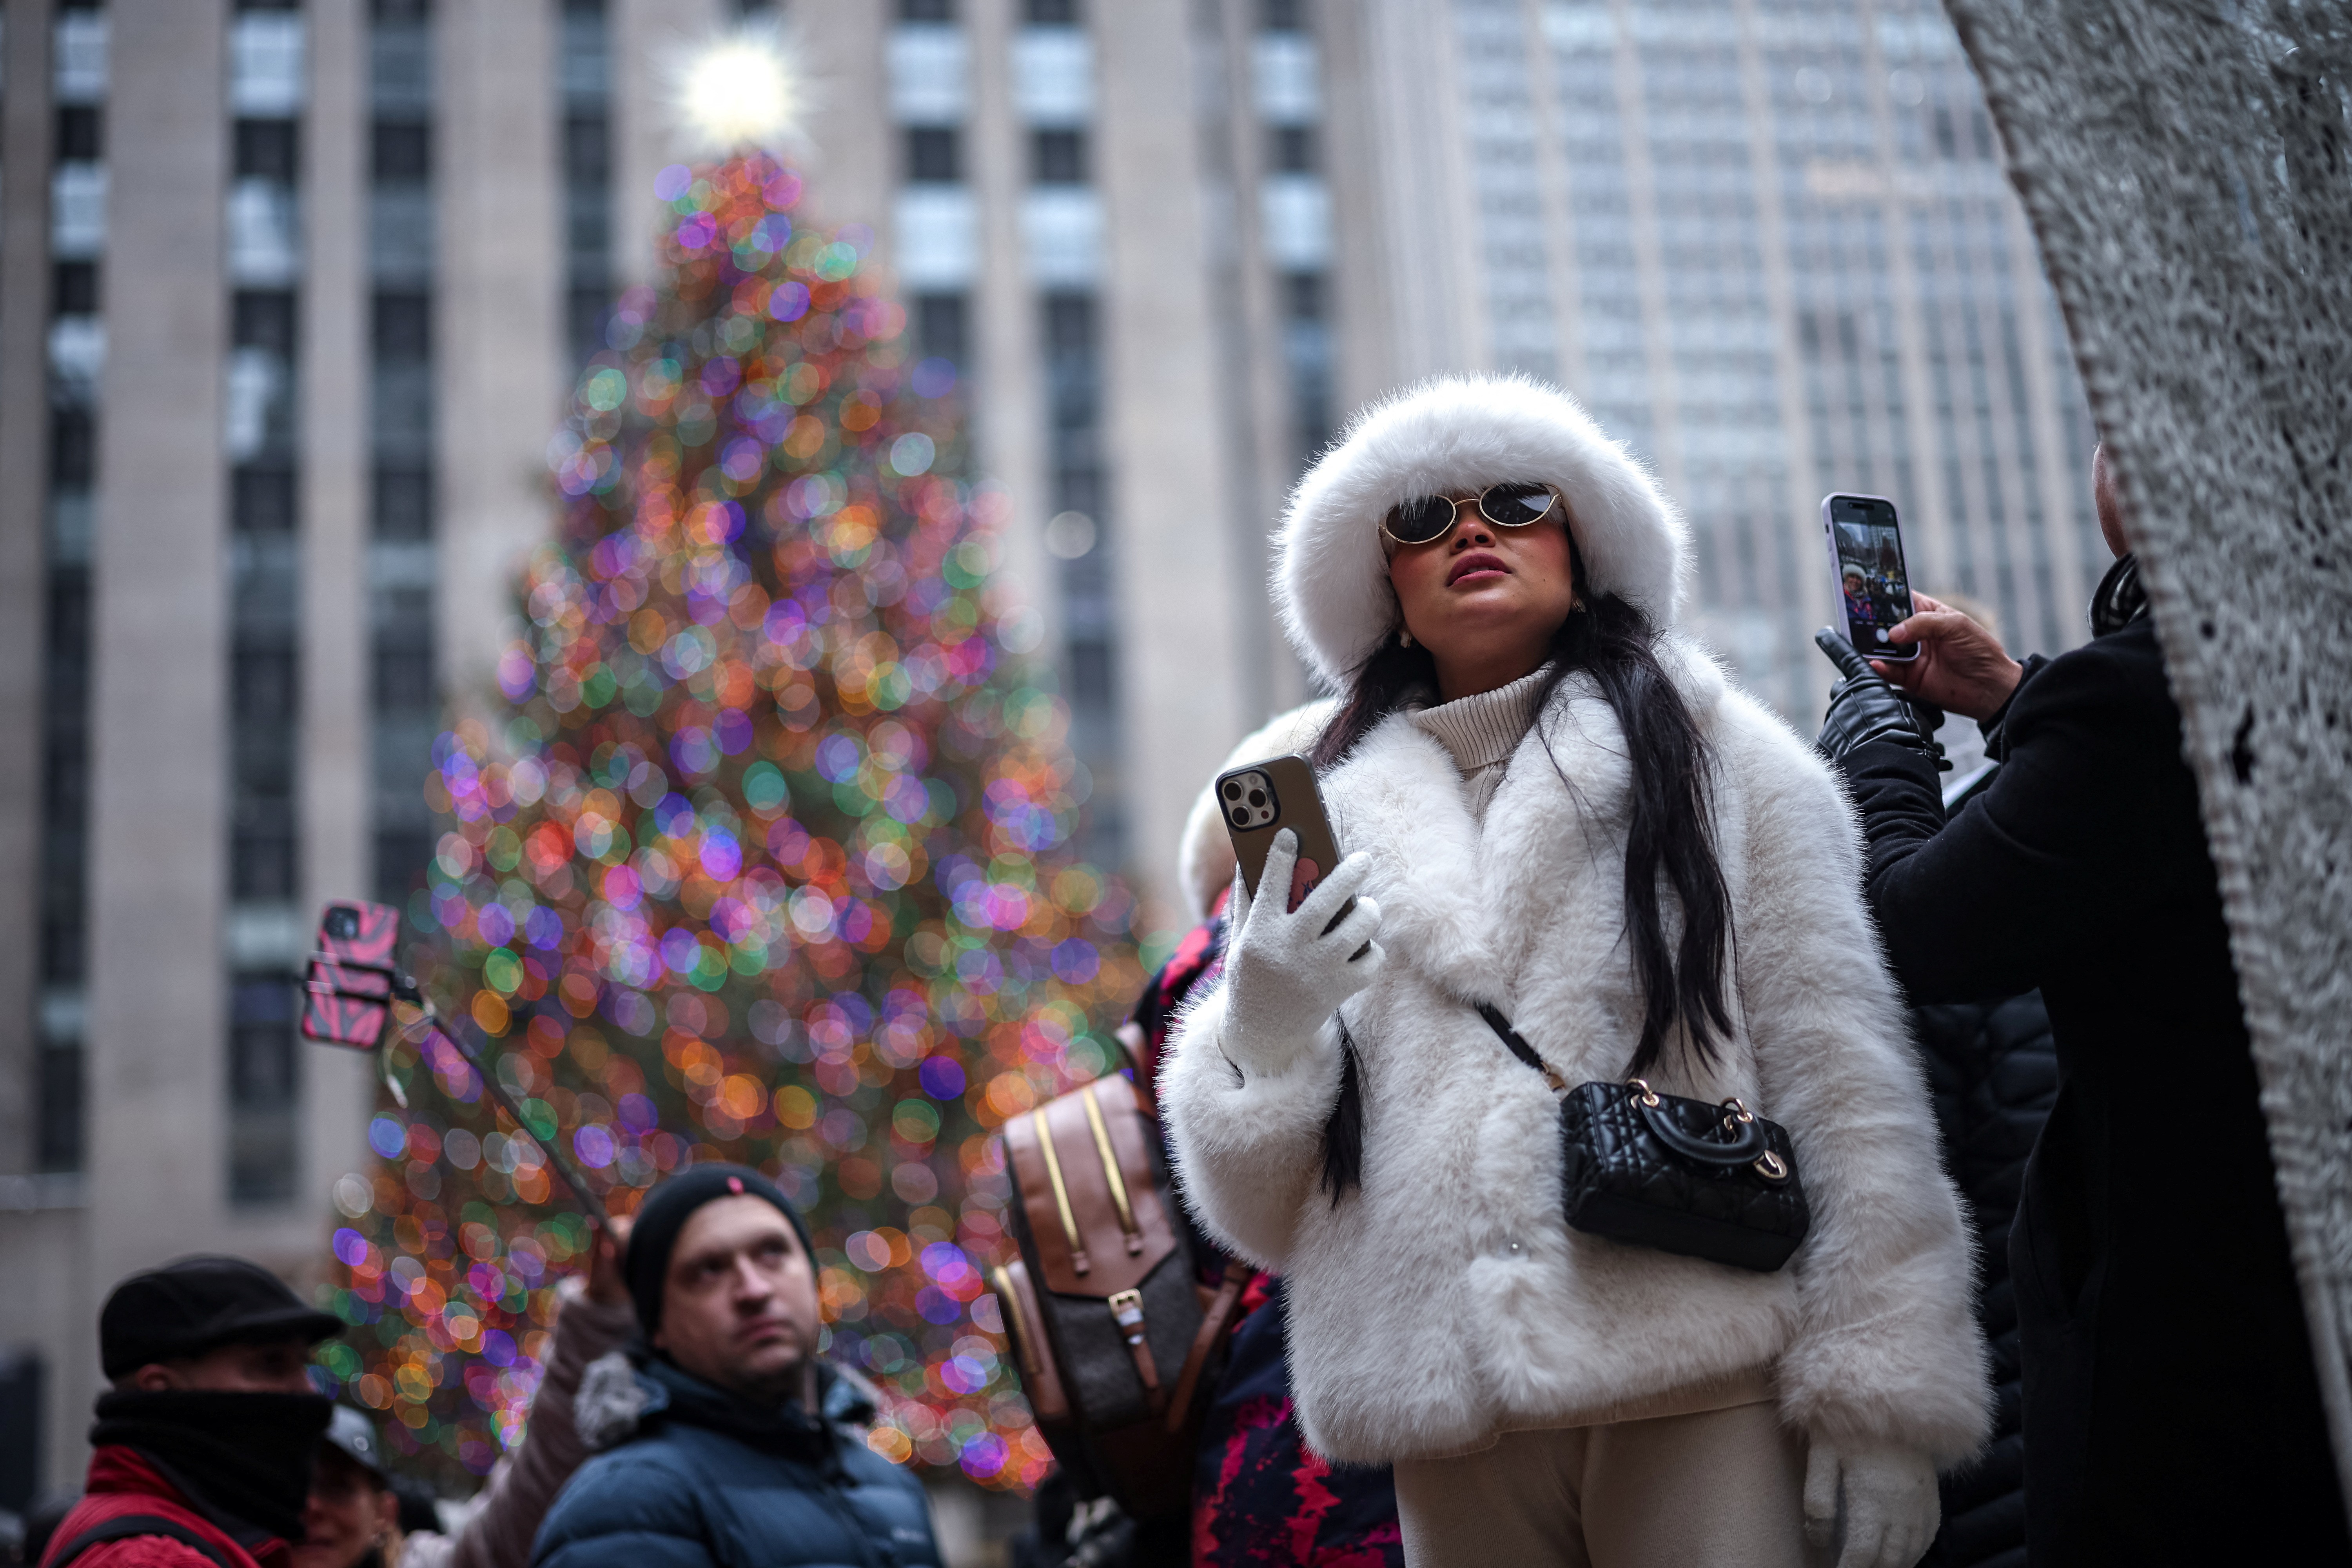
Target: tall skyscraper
<point x="291" y="296"/>
<point x="281" y="342"/>
<point x="1768" y="242"/>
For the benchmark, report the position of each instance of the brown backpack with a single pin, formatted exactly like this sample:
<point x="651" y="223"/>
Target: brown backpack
<point x="1114" y="1335"/>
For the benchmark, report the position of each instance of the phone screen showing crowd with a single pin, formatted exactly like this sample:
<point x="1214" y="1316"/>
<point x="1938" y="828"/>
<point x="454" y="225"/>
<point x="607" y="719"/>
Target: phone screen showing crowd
<point x="1872" y="587"/>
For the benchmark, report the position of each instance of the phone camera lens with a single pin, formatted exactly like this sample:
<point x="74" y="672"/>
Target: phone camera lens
<point x="343" y="923"/>
<point x="1233" y="789"/>
<point x="1257" y="797"/>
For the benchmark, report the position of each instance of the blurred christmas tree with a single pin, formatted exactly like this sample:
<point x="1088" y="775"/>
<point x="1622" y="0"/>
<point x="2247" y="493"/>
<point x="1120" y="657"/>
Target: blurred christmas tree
<point x="761" y="860"/>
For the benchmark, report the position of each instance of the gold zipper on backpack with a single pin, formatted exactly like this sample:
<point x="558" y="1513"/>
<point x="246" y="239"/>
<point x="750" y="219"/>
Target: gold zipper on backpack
<point x="1024" y="1337"/>
<point x="1061" y="1194"/>
<point x="1134" y="1232"/>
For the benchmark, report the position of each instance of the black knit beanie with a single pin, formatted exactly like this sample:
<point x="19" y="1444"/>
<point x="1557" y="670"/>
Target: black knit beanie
<point x="655" y="1233"/>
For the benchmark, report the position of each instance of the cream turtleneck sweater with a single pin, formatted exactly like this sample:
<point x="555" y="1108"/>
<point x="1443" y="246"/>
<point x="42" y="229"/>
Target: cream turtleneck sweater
<point x="1481" y="732"/>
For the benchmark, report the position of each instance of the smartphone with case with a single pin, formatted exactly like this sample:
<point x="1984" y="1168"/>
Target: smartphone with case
<point x="1259" y="800"/>
<point x="1865" y="544"/>
<point x="345" y="1006"/>
<point x="347" y="989"/>
<point x="361" y="936"/>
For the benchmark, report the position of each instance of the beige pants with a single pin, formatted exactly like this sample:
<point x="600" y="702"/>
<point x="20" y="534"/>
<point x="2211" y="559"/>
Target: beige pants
<point x="1723" y="1488"/>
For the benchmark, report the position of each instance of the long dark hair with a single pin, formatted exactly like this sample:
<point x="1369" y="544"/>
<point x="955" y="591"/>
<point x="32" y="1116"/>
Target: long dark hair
<point x="1669" y="840"/>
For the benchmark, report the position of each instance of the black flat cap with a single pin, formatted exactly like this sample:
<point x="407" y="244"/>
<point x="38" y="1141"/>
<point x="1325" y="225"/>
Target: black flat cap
<point x="198" y="1304"/>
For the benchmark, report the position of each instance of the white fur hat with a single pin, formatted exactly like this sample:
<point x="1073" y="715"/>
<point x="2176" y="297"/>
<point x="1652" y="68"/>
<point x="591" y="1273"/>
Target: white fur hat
<point x="1459" y="433"/>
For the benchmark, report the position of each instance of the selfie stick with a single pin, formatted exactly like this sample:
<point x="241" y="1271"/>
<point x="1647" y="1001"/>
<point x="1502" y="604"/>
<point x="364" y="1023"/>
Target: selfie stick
<point x="404" y="989"/>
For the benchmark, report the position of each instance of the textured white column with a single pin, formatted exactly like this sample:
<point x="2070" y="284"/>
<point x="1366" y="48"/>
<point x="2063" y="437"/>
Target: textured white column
<point x="1004" y="385"/>
<point x="337" y="1086"/>
<point x="156" y="1075"/>
<point x="1553" y="177"/>
<point x="1257" y="413"/>
<point x="2211" y="314"/>
<point x="497" y="349"/>
<point x="648" y="40"/>
<point x="1426" y="235"/>
<point x="1364" y="351"/>
<point x="851" y="154"/>
<point x="1180" y="691"/>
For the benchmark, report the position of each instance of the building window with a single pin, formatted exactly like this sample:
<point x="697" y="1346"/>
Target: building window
<point x="265" y="657"/>
<point x="942" y="328"/>
<point x="262" y="1089"/>
<point x="1293" y="148"/>
<point x="81" y="134"/>
<point x="74" y="289"/>
<point x="932" y="155"/>
<point x="405" y="714"/>
<point x="265" y="150"/>
<point x="585" y="71"/>
<point x="61" y="1092"/>
<point x="1306" y="349"/>
<point x="401" y="504"/>
<point x="400" y="153"/>
<point x="401" y="327"/>
<point x="1057" y="157"/>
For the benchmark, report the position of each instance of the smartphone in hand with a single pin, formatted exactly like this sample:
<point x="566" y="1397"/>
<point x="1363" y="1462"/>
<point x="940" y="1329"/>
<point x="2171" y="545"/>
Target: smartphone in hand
<point x="1259" y="800"/>
<point x="347" y="989"/>
<point x="1865" y="545"/>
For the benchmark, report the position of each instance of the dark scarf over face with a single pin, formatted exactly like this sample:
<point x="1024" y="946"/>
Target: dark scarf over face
<point x="246" y="1455"/>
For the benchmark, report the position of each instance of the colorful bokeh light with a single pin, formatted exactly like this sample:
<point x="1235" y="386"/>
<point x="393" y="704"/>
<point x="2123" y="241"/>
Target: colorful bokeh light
<point x="764" y="857"/>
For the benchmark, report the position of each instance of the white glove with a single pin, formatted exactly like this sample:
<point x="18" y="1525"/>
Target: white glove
<point x="1890" y="1508"/>
<point x="1283" y="973"/>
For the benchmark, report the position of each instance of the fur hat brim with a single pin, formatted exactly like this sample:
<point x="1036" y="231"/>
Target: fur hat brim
<point x="1457" y="433"/>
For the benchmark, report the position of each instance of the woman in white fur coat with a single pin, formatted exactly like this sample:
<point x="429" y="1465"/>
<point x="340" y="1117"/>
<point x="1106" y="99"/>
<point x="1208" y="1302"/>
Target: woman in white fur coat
<point x="1553" y="803"/>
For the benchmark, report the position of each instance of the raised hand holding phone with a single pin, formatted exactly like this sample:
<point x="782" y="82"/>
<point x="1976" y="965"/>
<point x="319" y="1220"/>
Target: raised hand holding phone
<point x="1288" y="968"/>
<point x="1961" y="666"/>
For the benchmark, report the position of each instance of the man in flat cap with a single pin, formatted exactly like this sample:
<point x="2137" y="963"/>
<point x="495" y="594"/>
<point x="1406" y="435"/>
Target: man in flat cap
<point x="726" y="1441"/>
<point x="201" y="1456"/>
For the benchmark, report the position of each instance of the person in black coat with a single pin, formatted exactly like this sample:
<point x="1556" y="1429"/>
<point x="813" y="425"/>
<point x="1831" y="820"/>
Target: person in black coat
<point x="2171" y="1410"/>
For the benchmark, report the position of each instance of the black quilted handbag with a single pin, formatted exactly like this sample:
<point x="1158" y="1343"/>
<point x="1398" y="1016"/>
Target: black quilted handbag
<point x="1717" y="1182"/>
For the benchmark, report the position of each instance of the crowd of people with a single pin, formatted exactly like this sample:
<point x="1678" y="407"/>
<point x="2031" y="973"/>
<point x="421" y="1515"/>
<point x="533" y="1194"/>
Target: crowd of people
<point x="1572" y="841"/>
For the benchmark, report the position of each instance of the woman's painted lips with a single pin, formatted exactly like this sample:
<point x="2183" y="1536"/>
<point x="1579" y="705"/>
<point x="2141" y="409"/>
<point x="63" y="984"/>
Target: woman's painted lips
<point x="1477" y="564"/>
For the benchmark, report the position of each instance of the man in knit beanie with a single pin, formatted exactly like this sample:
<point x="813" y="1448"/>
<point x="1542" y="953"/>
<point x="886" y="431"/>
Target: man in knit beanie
<point x="727" y="1442"/>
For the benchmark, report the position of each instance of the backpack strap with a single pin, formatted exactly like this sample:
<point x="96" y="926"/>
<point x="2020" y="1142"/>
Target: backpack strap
<point x="124" y="1526"/>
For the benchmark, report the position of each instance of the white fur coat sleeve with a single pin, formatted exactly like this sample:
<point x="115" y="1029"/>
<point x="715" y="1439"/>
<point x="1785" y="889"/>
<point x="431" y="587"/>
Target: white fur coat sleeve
<point x="1888" y="1348"/>
<point x="1249" y="1146"/>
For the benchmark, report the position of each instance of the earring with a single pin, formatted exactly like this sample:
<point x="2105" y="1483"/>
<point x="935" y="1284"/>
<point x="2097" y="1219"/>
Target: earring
<point x="1404" y="639"/>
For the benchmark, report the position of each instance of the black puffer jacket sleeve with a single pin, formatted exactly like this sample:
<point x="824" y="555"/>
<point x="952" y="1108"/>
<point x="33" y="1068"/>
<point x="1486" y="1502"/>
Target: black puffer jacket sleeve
<point x="1993" y="1068"/>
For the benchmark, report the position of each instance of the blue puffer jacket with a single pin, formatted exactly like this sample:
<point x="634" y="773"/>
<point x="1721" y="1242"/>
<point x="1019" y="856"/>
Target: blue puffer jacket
<point x="692" y="1478"/>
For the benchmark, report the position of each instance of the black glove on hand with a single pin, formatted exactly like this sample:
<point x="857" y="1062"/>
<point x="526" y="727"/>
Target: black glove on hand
<point x="1864" y="708"/>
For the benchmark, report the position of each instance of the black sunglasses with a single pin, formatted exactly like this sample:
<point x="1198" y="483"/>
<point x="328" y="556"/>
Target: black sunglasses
<point x="1505" y="506"/>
